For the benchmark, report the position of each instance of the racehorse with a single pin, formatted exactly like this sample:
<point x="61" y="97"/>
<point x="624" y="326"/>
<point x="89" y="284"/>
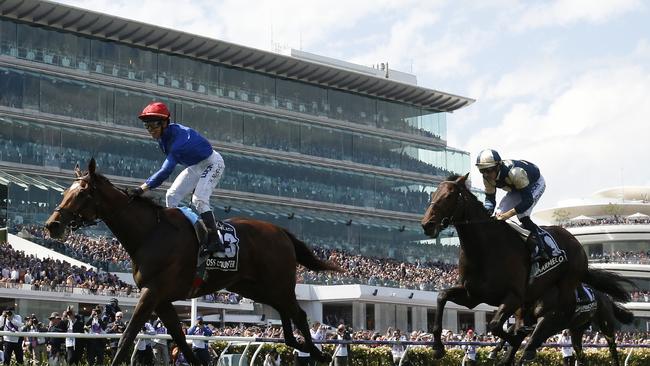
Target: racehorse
<point x="607" y="314"/>
<point x="494" y="266"/>
<point x="163" y="247"/>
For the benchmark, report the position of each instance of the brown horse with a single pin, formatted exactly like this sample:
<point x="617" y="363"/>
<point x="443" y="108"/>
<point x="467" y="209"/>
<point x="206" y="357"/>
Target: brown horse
<point x="494" y="265"/>
<point x="163" y="247"/>
<point x="607" y="314"/>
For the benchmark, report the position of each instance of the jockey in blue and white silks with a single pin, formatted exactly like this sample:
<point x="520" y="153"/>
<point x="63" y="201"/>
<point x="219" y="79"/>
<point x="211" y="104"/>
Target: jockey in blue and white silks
<point x="204" y="167"/>
<point x="524" y="185"/>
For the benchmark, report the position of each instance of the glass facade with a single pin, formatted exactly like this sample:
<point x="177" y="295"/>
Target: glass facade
<point x="288" y="144"/>
<point x="128" y="62"/>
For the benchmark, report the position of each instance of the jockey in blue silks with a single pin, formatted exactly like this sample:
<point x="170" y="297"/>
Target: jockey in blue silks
<point x="204" y="167"/>
<point x="524" y="184"/>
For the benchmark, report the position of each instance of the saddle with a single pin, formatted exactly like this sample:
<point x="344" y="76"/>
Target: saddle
<point x="227" y="261"/>
<point x="557" y="257"/>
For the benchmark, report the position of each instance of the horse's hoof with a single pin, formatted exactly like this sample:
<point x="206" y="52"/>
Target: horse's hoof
<point x="528" y="357"/>
<point x="493" y="354"/>
<point x="438" y="353"/>
<point x="321" y="357"/>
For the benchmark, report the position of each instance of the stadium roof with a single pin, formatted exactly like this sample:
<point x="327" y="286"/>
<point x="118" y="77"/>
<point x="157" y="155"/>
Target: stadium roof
<point x="118" y="29"/>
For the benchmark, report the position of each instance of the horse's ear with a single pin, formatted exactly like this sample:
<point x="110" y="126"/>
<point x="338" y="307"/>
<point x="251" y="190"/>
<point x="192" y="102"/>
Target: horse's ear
<point x="462" y="180"/>
<point x="91" y="166"/>
<point x="77" y="171"/>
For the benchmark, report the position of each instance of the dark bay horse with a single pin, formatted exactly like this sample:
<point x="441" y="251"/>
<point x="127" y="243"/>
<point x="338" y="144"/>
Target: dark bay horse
<point x="163" y="247"/>
<point x="607" y="315"/>
<point x="494" y="265"/>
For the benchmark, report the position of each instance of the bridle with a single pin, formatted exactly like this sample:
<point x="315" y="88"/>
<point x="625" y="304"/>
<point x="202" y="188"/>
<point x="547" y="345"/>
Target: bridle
<point x="453" y="218"/>
<point x="76" y="220"/>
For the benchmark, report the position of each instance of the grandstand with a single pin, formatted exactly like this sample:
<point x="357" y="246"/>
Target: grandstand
<point x="342" y="155"/>
<point x="613" y="225"/>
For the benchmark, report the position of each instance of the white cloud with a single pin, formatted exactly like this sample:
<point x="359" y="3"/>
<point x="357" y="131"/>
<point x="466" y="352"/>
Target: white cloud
<point x="593" y="132"/>
<point x="566" y="12"/>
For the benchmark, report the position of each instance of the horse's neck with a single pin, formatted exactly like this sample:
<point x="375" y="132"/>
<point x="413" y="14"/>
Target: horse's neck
<point x="130" y="222"/>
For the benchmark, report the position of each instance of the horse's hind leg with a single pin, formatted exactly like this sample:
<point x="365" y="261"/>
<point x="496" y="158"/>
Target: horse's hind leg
<point x="576" y="342"/>
<point x="547" y="326"/>
<point x="168" y="315"/>
<point x="142" y="311"/>
<point x="300" y="320"/>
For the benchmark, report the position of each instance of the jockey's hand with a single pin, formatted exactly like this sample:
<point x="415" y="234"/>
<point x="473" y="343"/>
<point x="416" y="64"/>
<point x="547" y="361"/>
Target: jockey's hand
<point x="134" y="192"/>
<point x="506" y="215"/>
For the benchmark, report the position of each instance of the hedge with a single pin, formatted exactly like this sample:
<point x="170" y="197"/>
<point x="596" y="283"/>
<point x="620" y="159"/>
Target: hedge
<point x="423" y="356"/>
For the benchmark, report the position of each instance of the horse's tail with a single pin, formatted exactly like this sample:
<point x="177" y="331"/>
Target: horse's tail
<point x="622" y="314"/>
<point x="609" y="283"/>
<point x="307" y="258"/>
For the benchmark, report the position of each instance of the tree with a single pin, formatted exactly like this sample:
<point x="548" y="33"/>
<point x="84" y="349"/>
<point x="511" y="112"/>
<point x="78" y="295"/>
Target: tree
<point x="560" y="216"/>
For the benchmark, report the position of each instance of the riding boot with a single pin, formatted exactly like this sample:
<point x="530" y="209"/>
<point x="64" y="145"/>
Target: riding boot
<point x="214" y="239"/>
<point x="536" y="238"/>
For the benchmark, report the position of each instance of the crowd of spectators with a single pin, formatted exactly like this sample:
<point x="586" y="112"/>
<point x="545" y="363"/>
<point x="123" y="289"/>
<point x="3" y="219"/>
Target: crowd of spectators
<point x="358" y="269"/>
<point x="245" y="174"/>
<point x="46" y="274"/>
<point x="622" y="256"/>
<point x="610" y="220"/>
<point x="100" y="251"/>
<point x="426" y="276"/>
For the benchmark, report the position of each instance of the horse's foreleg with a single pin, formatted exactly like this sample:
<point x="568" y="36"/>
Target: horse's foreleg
<point x="142" y="311"/>
<point x="508" y="307"/>
<point x="169" y="317"/>
<point x="459" y="296"/>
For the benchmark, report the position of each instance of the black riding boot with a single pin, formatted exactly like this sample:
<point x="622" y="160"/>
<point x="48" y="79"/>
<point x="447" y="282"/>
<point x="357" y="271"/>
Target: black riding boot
<point x="529" y="225"/>
<point x="214" y="240"/>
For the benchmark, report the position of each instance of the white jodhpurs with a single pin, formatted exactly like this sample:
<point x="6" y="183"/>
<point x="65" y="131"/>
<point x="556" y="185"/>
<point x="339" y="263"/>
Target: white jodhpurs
<point x="202" y="178"/>
<point x="513" y="198"/>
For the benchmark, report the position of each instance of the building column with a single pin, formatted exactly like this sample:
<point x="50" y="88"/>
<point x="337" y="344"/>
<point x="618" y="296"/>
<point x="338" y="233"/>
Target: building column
<point x="358" y="315"/>
<point x="384" y="317"/>
<point x="479" y="322"/>
<point x="419" y="317"/>
<point x="450" y="320"/>
<point x="314" y="311"/>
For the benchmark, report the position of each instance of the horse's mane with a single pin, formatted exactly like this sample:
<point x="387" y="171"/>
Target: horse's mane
<point x="146" y="200"/>
<point x="471" y="196"/>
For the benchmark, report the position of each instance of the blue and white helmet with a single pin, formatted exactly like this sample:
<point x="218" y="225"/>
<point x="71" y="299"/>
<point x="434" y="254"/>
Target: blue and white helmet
<point x="487" y="159"/>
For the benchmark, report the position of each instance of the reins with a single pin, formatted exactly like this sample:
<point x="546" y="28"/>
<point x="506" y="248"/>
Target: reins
<point x="458" y="211"/>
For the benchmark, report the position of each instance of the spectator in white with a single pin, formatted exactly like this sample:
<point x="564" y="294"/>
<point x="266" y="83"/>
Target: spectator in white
<point x="398" y="349"/>
<point x="160" y="346"/>
<point x="15" y="275"/>
<point x="272" y="358"/>
<point x="317" y="332"/>
<point x="11" y="322"/>
<point x="568" y="359"/>
<point x="341" y="352"/>
<point x="28" y="279"/>
<point x="73" y="346"/>
<point x="142" y="352"/>
<point x="199" y="346"/>
<point x="470" y="349"/>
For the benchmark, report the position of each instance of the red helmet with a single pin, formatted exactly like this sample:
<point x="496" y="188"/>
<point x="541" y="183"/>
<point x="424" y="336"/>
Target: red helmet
<point x="155" y="110"/>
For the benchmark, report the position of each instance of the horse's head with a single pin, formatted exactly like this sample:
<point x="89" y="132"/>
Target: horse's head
<point x="78" y="207"/>
<point x="443" y="209"/>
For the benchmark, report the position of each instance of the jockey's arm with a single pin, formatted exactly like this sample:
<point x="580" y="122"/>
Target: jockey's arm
<point x="161" y="175"/>
<point x="490" y="196"/>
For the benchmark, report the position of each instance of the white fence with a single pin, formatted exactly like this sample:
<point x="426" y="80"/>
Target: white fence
<point x="258" y="341"/>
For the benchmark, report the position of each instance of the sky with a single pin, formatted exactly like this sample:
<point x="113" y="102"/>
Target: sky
<point x="564" y="84"/>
